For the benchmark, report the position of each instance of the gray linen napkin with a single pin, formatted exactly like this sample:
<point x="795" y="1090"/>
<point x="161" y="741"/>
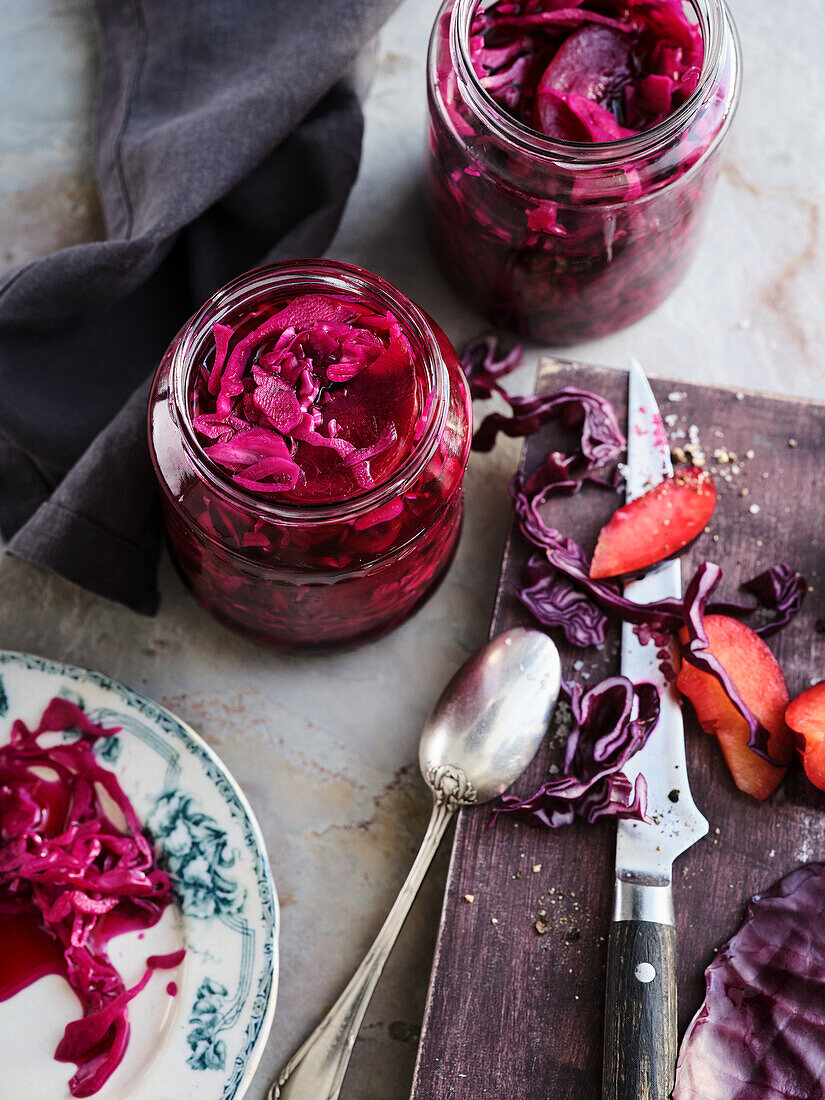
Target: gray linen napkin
<point x="229" y="133"/>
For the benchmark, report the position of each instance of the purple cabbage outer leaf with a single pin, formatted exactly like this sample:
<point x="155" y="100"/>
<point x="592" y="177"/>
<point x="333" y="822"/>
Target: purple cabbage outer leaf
<point x="484" y="366"/>
<point x="611" y="722"/>
<point x="760" y="1033"/>
<point x="696" y="653"/>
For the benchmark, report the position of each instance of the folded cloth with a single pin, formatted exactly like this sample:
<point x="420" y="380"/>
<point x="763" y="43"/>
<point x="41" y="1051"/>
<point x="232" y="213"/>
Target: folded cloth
<point x="229" y="134"/>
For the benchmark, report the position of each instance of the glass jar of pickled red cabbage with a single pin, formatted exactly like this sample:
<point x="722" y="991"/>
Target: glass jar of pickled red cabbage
<point x="561" y="239"/>
<point x="310" y="428"/>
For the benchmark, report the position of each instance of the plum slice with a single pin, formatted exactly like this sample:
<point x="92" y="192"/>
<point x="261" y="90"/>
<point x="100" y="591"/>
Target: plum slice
<point x="758" y="678"/>
<point x="806" y="718"/>
<point x="655" y="526"/>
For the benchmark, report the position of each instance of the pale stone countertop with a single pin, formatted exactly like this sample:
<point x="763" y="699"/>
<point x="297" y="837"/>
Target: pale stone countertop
<point x="325" y="747"/>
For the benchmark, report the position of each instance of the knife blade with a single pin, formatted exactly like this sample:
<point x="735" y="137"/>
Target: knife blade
<point x="640" y="1021"/>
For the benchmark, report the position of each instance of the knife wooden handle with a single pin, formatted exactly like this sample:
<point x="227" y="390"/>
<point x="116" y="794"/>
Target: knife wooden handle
<point x="640" y="1029"/>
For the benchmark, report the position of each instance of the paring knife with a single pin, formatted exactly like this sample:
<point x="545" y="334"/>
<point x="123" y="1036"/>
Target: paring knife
<point x="640" y="1035"/>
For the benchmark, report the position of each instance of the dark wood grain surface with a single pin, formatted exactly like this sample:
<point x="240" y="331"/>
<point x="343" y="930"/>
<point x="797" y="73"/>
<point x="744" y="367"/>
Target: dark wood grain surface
<point x="517" y="1013"/>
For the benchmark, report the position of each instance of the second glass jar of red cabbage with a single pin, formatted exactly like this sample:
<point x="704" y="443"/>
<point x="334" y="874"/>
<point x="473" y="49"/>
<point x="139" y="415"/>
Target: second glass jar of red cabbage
<point x="310" y="428"/>
<point x="573" y="149"/>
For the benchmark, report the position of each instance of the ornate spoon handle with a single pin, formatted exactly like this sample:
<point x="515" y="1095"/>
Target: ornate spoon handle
<point x="316" y="1070"/>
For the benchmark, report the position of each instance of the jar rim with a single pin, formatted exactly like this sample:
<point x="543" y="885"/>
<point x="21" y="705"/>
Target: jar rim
<point x="319" y="275"/>
<point x="713" y="15"/>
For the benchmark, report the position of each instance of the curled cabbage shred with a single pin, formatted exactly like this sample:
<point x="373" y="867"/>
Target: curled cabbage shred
<point x="610" y="723"/>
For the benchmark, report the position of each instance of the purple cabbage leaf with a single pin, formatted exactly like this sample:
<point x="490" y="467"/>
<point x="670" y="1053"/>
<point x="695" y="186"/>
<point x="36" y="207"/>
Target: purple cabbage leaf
<point x="760" y="1032"/>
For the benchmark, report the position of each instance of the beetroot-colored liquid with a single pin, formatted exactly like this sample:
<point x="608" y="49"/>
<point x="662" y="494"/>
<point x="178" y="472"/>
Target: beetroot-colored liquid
<point x="26" y="955"/>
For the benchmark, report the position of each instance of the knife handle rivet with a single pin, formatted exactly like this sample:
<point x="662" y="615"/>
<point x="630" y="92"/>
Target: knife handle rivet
<point x="645" y="973"/>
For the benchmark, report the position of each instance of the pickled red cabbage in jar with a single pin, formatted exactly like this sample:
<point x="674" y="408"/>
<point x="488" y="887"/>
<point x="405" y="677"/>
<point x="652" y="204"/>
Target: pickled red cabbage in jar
<point x="573" y="150"/>
<point x="310" y="429"/>
<point x="316" y="400"/>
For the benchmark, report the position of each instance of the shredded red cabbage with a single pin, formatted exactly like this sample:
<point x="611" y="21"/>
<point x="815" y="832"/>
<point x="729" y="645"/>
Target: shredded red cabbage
<point x="556" y="602"/>
<point x="601" y="438"/>
<point x="781" y="588"/>
<point x="317" y="400"/>
<point x="484" y="366"/>
<point x="760" y="1033"/>
<point x="611" y="722"/>
<point x="581" y="74"/>
<point x="79" y="878"/>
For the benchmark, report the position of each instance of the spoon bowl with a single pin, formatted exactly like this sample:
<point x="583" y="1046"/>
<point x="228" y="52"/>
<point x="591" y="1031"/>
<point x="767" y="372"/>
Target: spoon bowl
<point x="493" y="714"/>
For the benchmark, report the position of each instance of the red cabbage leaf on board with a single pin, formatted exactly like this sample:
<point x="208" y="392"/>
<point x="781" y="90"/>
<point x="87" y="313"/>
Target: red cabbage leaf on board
<point x="65" y="865"/>
<point x="760" y="1033"/>
<point x="610" y="723"/>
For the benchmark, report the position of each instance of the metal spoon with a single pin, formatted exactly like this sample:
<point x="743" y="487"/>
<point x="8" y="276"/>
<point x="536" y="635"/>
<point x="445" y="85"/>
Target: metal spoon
<point x="484" y="731"/>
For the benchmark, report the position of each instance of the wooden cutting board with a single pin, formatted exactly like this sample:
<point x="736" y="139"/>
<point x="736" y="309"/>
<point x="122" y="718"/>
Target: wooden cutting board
<point x="513" y="1014"/>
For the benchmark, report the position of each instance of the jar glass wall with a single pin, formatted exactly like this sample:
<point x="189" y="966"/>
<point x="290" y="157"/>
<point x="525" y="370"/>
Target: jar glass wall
<point x="311" y="574"/>
<point x="562" y="240"/>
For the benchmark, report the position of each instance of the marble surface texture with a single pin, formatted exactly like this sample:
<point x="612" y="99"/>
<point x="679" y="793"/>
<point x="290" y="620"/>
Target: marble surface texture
<point x="325" y="747"/>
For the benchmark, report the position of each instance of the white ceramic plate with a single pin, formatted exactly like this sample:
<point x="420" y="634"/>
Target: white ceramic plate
<point x="205" y="1040"/>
